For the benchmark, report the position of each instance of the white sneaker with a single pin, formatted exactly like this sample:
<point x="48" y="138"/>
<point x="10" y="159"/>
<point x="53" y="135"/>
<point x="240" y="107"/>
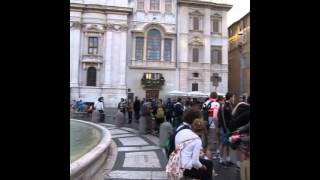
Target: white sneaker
<point x="220" y="160"/>
<point x="214" y="173"/>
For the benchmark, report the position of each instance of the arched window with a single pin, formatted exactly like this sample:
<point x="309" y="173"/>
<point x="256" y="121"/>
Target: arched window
<point x="91" y="76"/>
<point x="154" y="45"/>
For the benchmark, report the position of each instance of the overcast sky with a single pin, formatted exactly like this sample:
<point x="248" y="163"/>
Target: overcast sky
<point x="239" y="9"/>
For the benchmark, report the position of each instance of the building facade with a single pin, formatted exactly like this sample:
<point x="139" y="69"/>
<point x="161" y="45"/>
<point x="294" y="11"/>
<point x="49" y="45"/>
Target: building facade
<point x="202" y="46"/>
<point x="146" y="48"/>
<point x="239" y="56"/>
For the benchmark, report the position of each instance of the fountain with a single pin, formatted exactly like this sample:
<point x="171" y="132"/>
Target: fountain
<point x="89" y="146"/>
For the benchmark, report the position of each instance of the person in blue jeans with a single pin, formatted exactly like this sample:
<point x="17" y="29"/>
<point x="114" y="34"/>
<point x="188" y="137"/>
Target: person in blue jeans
<point x="224" y="118"/>
<point x="80" y="106"/>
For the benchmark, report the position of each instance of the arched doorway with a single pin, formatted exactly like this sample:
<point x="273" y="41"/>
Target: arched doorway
<point x="91" y="76"/>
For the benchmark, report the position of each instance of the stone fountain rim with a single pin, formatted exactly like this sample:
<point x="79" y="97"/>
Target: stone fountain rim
<point x="85" y="160"/>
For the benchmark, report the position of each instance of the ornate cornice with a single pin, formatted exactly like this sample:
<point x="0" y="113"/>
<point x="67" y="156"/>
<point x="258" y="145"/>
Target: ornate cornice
<point x="105" y="8"/>
<point x="116" y="27"/>
<point x="74" y="24"/>
<point x="197" y="3"/>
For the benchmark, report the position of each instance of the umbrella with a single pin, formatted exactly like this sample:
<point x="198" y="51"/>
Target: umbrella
<point x="197" y="94"/>
<point x="177" y="93"/>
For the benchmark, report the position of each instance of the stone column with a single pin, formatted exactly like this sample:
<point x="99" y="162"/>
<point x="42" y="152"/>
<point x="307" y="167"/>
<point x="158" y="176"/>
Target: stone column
<point x="115" y="58"/>
<point x="122" y="57"/>
<point x="74" y="53"/>
<point x="108" y="59"/>
<point x="145" y="48"/>
<point x="162" y="50"/>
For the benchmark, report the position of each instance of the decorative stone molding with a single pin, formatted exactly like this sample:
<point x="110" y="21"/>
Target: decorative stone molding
<point x="74" y="24"/>
<point x="116" y="27"/>
<point x="91" y="60"/>
<point x="86" y="65"/>
<point x="106" y="8"/>
<point x="219" y="5"/>
<point x="158" y="26"/>
<point x="196" y="41"/>
<point x="196" y="13"/>
<point x="94" y="27"/>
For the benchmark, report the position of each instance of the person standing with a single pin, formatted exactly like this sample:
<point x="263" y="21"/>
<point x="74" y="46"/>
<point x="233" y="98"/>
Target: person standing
<point x="194" y="165"/>
<point x="130" y="110"/>
<point x="122" y="107"/>
<point x="241" y="118"/>
<point x="159" y="114"/>
<point x="212" y="107"/>
<point x="224" y="117"/>
<point x="169" y="111"/>
<point x="178" y="110"/>
<point x="146" y="113"/>
<point x="98" y="105"/>
<point x="80" y="106"/>
<point x="136" y="107"/>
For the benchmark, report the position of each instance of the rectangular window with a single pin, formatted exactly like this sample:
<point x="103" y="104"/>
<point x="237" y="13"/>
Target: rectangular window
<point x="195" y="55"/>
<point x="93" y="45"/>
<point x="196" y="23"/>
<point x="216" y="55"/>
<point x="168" y="6"/>
<point x="140" y="5"/>
<point x="194" y="86"/>
<point x="139" y="48"/>
<point x="167" y="49"/>
<point x="195" y="75"/>
<point x="154" y="5"/>
<point x="216" y="26"/>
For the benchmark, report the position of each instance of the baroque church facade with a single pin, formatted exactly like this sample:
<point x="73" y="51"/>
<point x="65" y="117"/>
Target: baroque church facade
<point x="146" y="48"/>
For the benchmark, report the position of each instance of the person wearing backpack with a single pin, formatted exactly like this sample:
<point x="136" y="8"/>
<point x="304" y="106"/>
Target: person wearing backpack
<point x="159" y="115"/>
<point x="225" y="117"/>
<point x="178" y="110"/>
<point x="241" y="118"/>
<point x="210" y="110"/>
<point x="185" y="159"/>
<point x="169" y="110"/>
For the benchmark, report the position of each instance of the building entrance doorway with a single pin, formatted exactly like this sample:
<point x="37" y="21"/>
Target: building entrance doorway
<point x="153" y="94"/>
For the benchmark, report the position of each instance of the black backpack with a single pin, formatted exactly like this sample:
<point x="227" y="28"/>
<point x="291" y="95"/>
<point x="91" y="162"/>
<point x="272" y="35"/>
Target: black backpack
<point x="178" y="110"/>
<point x="240" y="118"/>
<point x="170" y="145"/>
<point x="205" y="113"/>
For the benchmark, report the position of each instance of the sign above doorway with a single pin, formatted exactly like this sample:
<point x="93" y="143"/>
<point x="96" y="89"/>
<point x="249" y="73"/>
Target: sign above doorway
<point x="152" y="80"/>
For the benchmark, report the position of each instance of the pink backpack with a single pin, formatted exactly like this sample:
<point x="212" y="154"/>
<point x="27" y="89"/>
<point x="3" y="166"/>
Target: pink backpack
<point x="173" y="169"/>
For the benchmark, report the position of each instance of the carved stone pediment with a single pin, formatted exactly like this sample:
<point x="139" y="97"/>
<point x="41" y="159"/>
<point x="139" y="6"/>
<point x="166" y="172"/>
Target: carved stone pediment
<point x="196" y="41"/>
<point x="196" y="13"/>
<point x="94" y="27"/>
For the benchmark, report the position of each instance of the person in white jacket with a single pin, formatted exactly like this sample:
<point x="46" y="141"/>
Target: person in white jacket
<point x="195" y="167"/>
<point x="98" y="105"/>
